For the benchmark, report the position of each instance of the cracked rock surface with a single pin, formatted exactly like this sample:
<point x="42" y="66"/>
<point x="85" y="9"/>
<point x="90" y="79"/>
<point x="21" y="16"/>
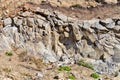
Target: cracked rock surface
<point x="57" y="38"/>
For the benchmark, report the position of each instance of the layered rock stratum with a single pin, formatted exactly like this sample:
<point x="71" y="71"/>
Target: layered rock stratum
<point x="62" y="39"/>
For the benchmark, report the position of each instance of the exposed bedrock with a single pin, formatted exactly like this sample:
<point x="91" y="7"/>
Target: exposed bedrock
<point x="55" y="37"/>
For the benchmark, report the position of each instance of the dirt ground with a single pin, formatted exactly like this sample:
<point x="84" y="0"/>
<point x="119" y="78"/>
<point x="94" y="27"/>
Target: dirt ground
<point x="13" y="69"/>
<point x="89" y="10"/>
<point x="101" y="12"/>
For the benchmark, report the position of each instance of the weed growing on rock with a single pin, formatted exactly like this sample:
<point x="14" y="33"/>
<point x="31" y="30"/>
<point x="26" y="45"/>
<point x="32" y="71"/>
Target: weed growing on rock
<point x="8" y="53"/>
<point x="85" y="64"/>
<point x="64" y="68"/>
<point x="71" y="77"/>
<point x="95" y="75"/>
<point x="76" y="6"/>
<point x="116" y="74"/>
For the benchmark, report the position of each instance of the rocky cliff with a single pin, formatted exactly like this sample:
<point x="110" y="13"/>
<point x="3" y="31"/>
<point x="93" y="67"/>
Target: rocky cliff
<point x="55" y="37"/>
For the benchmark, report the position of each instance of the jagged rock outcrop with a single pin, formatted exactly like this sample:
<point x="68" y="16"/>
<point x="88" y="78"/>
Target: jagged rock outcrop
<point x="55" y="37"/>
<point x="107" y="1"/>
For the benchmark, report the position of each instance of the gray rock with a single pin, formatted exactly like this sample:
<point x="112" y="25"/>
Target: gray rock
<point x="46" y="53"/>
<point x="39" y="74"/>
<point x="109" y="23"/>
<point x="92" y="55"/>
<point x="65" y="59"/>
<point x="46" y="25"/>
<point x="99" y="46"/>
<point x="61" y="16"/>
<point x="71" y="20"/>
<point x="98" y="26"/>
<point x="30" y="48"/>
<point x="110" y="51"/>
<point x="4" y="44"/>
<point x="108" y="40"/>
<point x="19" y="22"/>
<point x="58" y="22"/>
<point x="87" y="50"/>
<point x="116" y="56"/>
<point x="48" y="56"/>
<point x="50" y="20"/>
<point x="106" y="57"/>
<point x="104" y="68"/>
<point x="48" y="12"/>
<point x="87" y="25"/>
<point x="10" y="32"/>
<point x="40" y="22"/>
<point x="7" y="22"/>
<point x="30" y="22"/>
<point x="14" y="38"/>
<point x="118" y="22"/>
<point x="77" y="33"/>
<point x="117" y="28"/>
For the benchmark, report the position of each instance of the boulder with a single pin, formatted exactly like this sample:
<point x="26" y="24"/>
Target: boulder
<point x="7" y="22"/>
<point x="30" y="22"/>
<point x="61" y="16"/>
<point x="116" y="56"/>
<point x="47" y="54"/>
<point x="104" y="68"/>
<point x="117" y="28"/>
<point x="108" y="23"/>
<point x="17" y="21"/>
<point x="4" y="44"/>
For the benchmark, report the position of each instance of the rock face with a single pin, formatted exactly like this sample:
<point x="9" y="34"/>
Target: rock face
<point x="56" y="37"/>
<point x="111" y="1"/>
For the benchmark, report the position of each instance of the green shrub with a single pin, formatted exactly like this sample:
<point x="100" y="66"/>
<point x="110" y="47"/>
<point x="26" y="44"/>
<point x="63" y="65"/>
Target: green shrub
<point x="64" y="68"/>
<point x="116" y="74"/>
<point x="9" y="53"/>
<point x="95" y="75"/>
<point x="71" y="77"/>
<point x="85" y="64"/>
<point x="76" y="6"/>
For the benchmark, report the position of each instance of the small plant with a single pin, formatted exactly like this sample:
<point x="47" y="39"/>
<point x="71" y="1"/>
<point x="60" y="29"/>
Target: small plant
<point x="8" y="53"/>
<point x="76" y="6"/>
<point x="22" y="56"/>
<point x="95" y="75"/>
<point x="64" y="68"/>
<point x="25" y="74"/>
<point x="7" y="70"/>
<point x="85" y="64"/>
<point x="116" y="74"/>
<point x="71" y="77"/>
